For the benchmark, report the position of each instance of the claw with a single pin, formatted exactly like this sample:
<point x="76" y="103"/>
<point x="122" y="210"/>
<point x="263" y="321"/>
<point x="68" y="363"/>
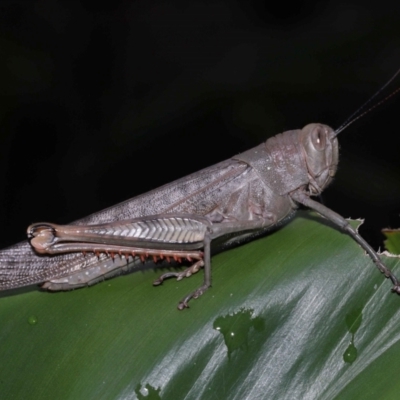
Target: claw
<point x="182" y="305"/>
<point x="194" y="295"/>
<point x="157" y="282"/>
<point x="396" y="289"/>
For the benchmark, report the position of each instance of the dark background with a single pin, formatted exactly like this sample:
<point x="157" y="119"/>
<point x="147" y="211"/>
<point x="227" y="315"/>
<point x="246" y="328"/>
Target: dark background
<point x="100" y="103"/>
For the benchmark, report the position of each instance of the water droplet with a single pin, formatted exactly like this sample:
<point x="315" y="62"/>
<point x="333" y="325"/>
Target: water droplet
<point x="236" y="329"/>
<point x="147" y="392"/>
<point x="32" y="320"/>
<point x="353" y="319"/>
<point x="350" y="355"/>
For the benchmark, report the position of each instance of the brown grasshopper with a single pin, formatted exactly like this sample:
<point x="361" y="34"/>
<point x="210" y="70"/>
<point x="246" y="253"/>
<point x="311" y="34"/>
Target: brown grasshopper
<point x="211" y="210"/>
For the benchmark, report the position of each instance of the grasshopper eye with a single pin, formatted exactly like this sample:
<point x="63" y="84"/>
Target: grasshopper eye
<point x="318" y="138"/>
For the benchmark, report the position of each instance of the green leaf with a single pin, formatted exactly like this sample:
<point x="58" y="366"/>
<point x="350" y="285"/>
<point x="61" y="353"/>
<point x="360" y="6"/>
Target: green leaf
<point x="301" y="313"/>
<point x="392" y="242"/>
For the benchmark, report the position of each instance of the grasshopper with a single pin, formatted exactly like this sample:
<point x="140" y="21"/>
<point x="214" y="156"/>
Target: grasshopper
<point x="214" y="209"/>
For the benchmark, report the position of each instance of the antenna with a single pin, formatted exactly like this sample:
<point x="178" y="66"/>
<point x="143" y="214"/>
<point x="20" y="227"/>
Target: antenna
<point x="358" y="113"/>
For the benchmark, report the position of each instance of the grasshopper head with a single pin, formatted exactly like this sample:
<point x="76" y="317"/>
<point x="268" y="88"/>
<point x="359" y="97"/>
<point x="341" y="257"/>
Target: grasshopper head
<point x="321" y="153"/>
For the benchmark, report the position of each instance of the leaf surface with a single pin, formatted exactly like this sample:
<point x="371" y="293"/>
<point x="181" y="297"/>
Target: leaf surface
<point x="300" y="314"/>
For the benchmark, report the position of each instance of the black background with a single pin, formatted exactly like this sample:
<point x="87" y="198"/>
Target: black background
<point x="102" y="102"/>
